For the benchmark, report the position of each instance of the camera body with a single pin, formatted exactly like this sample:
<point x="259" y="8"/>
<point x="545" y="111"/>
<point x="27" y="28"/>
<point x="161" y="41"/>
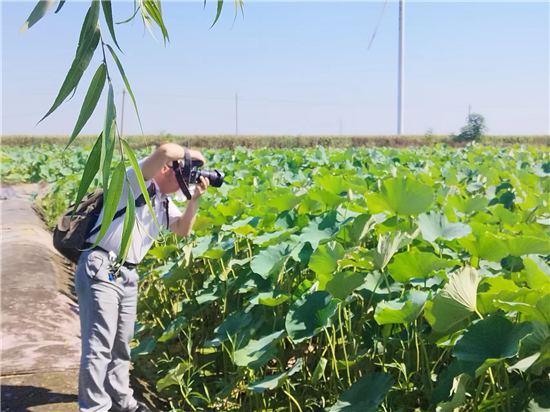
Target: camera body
<point x="189" y="172"/>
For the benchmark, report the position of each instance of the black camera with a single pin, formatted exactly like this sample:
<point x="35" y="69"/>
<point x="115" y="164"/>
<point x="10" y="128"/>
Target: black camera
<point x="215" y="176"/>
<point x="188" y="172"/>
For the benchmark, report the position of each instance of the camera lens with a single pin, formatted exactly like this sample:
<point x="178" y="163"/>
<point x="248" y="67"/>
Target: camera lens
<point x="214" y="176"/>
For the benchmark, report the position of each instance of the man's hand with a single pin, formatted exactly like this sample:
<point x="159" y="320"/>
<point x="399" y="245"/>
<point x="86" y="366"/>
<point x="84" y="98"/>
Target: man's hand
<point x="184" y="224"/>
<point x="201" y="188"/>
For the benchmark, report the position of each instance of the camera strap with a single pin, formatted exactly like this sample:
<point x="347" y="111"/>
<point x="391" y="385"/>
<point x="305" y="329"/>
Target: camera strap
<point x="183" y="172"/>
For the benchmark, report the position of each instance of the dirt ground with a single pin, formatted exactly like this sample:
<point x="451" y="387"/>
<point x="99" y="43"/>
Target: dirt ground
<point x="40" y="352"/>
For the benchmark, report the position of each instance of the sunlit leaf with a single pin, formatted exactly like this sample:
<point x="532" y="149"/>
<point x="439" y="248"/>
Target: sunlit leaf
<point x="309" y="315"/>
<point x="415" y="264"/>
<point x="87" y="43"/>
<point x="39" y="11"/>
<point x="90" y="101"/>
<point x="401" y="196"/>
<point x="456" y="301"/>
<point x="274" y="381"/>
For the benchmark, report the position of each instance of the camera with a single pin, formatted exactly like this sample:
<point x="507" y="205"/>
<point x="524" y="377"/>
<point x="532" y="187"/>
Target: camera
<point x="215" y="176"/>
<point x="189" y="172"/>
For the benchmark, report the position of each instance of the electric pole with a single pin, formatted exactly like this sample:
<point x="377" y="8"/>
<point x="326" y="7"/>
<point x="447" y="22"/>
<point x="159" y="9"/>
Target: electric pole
<point x="401" y="83"/>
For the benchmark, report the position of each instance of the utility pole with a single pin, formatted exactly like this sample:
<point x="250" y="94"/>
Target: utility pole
<point x="469" y="110"/>
<point x="236" y="114"/>
<point x="401" y="83"/>
<point x="122" y="114"/>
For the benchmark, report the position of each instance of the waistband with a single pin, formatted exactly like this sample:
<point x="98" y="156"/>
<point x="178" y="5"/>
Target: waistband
<point x="128" y="265"/>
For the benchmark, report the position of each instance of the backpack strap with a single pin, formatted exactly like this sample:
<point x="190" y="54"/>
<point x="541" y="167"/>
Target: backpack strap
<point x="140" y="201"/>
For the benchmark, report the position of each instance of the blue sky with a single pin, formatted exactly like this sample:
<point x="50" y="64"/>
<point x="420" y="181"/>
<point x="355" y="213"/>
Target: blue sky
<point x="298" y="68"/>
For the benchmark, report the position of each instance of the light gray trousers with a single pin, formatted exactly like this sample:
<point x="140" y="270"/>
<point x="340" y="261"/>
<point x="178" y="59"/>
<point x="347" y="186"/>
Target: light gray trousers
<point x="107" y="318"/>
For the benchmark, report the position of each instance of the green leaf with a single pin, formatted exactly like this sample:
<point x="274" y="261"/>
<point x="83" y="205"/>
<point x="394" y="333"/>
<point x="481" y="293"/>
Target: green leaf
<point x="325" y="259"/>
<point x="503" y="215"/>
<point x="403" y="310"/>
<point x="107" y="11"/>
<point x="460" y="384"/>
<point x="173" y="329"/>
<point x="152" y="7"/>
<point x="435" y="225"/>
<point x="258" y="352"/>
<point x="145" y="347"/>
<point x="417" y="265"/>
<point x="90" y="171"/>
<point x="489" y="341"/>
<point x="319" y="370"/>
<point x="126" y="82"/>
<point x="274" y="381"/>
<point x="468" y="205"/>
<point x="365" y="395"/>
<point x="284" y="202"/>
<point x="486" y="246"/>
<point x="272" y="298"/>
<point x="387" y="246"/>
<point x="112" y="201"/>
<point x="90" y="101"/>
<point x="230" y="326"/>
<point x="87" y="43"/>
<point x="527" y="245"/>
<point x="39" y="11"/>
<point x="401" y="196"/>
<point x="456" y="301"/>
<point x="270" y="260"/>
<point x="61" y="4"/>
<point x="537" y="273"/>
<point x="128" y="227"/>
<point x="321" y="228"/>
<point x="139" y="175"/>
<point x="218" y="12"/>
<point x="309" y="315"/>
<point x="342" y="284"/>
<point x="362" y="225"/>
<point x="174" y="376"/>
<point x="333" y="184"/>
<point x="108" y="135"/>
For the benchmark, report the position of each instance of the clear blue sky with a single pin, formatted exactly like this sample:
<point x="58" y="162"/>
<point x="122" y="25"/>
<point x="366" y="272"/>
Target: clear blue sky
<point x="299" y="68"/>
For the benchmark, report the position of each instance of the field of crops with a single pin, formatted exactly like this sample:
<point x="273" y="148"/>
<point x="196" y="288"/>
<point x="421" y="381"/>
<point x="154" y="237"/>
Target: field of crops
<point x="348" y="280"/>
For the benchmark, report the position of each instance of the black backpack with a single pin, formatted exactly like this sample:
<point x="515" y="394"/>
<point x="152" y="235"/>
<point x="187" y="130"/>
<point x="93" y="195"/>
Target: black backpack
<point x="70" y="234"/>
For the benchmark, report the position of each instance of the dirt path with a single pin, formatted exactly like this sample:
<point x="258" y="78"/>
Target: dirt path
<point x="40" y="351"/>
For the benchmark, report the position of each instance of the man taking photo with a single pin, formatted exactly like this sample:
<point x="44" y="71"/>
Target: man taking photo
<point x="108" y="298"/>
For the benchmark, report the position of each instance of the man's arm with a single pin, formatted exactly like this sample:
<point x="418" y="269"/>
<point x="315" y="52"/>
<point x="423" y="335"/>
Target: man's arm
<point x="164" y="154"/>
<point x="184" y="224"/>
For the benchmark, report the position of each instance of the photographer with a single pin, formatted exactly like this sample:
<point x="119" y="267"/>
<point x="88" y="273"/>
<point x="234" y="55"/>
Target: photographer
<point x="107" y="297"/>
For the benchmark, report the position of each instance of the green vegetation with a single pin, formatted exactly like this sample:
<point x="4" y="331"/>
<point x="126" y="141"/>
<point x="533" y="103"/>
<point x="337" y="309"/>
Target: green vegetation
<point x="263" y="141"/>
<point x="473" y="131"/>
<point x="346" y="280"/>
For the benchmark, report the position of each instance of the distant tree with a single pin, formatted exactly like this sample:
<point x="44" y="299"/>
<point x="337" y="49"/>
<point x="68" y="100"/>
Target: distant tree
<point x="473" y="131"/>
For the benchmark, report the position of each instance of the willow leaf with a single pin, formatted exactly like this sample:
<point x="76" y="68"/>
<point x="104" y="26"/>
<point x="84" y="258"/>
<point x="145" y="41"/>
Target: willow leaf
<point x="90" y="101"/>
<point x="111" y="201"/>
<point x="137" y="170"/>
<point x="39" y="11"/>
<point x="108" y="12"/>
<point x="88" y="41"/>
<point x="90" y="171"/>
<point x="121" y="70"/>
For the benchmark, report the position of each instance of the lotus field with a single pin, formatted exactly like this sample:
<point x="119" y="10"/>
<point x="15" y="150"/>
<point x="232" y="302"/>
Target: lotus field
<point x="345" y="280"/>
